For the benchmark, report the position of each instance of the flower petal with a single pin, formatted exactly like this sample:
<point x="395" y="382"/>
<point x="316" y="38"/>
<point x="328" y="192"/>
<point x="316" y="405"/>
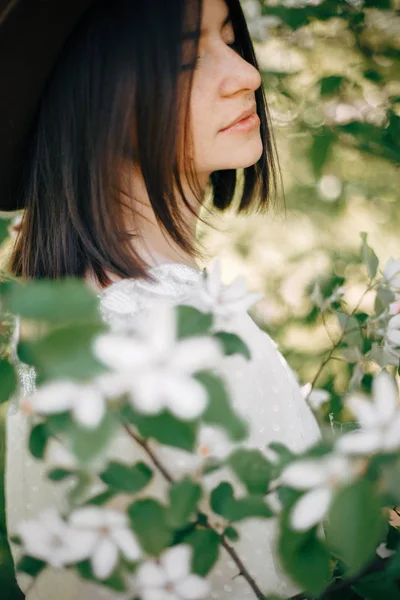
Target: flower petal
<point x="55" y="397"/>
<point x="385" y="394"/>
<point x="360" y="442"/>
<point x="87" y="517"/>
<point x="127" y="543"/>
<point x="311" y="509"/>
<point x="391" y="439"/>
<point x="393" y="335"/>
<point x="104" y="558"/>
<point x="193" y="587"/>
<point x="147" y="392"/>
<point x="150" y="574"/>
<point x="304" y="474"/>
<point x="78" y="545"/>
<point x="176" y="562"/>
<point x="158" y="594"/>
<point x="89" y="407"/>
<point x="159" y="326"/>
<point x="195" y="354"/>
<point x="120" y="352"/>
<point x="363" y="409"/>
<point x="185" y="397"/>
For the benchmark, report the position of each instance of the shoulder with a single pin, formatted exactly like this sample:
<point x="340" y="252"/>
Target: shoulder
<point x="123" y="301"/>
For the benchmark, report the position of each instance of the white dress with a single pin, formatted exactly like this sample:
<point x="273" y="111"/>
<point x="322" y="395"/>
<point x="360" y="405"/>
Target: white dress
<point x="263" y="390"/>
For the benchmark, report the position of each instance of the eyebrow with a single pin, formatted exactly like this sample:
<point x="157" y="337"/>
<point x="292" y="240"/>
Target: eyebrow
<point x="203" y="32"/>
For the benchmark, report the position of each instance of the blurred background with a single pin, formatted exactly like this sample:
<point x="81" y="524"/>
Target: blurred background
<point x="331" y="72"/>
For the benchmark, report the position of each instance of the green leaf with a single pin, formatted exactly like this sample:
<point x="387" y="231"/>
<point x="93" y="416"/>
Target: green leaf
<point x="149" y="520"/>
<point x="377" y="586"/>
<point x="59" y="474"/>
<point x="205" y="544"/>
<point x="164" y="428"/>
<point x="78" y="493"/>
<point x="219" y="410"/>
<point x="38" y="439"/>
<point x="304" y="557"/>
<point x="8" y="380"/>
<point x="383" y="298"/>
<point x="30" y="565"/>
<point x="55" y="301"/>
<point x="355" y="524"/>
<point x="351" y="328"/>
<point x="102" y="498"/>
<point x="184" y="496"/>
<point x="87" y="444"/>
<point x="321" y="150"/>
<point x="231" y="533"/>
<point x="4" y="225"/>
<point x="331" y="85"/>
<point x="192" y="322"/>
<point x="368" y="256"/>
<point x="284" y="457"/>
<point x="232" y="344"/>
<point x="252" y="468"/>
<point x="114" y="582"/>
<point x="67" y="353"/>
<point x="225" y="504"/>
<point x="125" y="478"/>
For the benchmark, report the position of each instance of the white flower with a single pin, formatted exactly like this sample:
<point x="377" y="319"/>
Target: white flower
<point x="222" y="300"/>
<point x="155" y="368"/>
<point x="110" y="533"/>
<point x="321" y="477"/>
<point x="315" y="397"/>
<point x="212" y="442"/>
<point x="393" y="332"/>
<point x="84" y="400"/>
<point x="52" y="540"/>
<point x="391" y="273"/>
<point x="170" y="577"/>
<point x="394" y="307"/>
<point x="379" y="420"/>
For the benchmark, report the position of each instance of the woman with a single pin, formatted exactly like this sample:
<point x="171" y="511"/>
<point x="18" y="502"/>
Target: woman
<point x="148" y="106"/>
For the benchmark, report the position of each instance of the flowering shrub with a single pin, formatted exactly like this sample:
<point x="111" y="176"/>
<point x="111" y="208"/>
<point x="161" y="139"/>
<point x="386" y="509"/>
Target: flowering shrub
<point x="331" y="502"/>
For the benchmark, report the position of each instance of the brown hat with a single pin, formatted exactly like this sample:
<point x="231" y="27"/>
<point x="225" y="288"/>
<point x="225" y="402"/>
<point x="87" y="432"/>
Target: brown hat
<point x="32" y="34"/>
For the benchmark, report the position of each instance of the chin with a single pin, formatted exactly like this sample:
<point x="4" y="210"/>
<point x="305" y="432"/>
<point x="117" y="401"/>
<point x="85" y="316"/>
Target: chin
<point x="239" y="160"/>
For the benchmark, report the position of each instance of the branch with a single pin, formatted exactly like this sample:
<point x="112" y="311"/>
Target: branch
<point x="231" y="551"/>
<point x="328" y="357"/>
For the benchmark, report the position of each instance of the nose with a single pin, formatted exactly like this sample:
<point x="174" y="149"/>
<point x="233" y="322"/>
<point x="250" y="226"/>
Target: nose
<point x="238" y="75"/>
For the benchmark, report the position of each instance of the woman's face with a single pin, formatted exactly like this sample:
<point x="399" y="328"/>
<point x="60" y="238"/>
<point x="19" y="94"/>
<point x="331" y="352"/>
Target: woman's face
<point x="224" y="86"/>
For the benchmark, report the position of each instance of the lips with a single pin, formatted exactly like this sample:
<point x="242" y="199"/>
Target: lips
<point x="242" y="116"/>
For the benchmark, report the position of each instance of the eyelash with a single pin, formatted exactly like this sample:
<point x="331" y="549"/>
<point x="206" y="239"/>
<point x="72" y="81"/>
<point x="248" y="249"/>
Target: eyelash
<point x="234" y="45"/>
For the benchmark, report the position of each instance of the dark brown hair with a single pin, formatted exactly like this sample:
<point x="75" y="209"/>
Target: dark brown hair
<point x="115" y="95"/>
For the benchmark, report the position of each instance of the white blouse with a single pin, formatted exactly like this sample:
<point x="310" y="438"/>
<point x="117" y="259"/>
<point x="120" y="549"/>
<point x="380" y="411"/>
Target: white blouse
<point x="263" y="390"/>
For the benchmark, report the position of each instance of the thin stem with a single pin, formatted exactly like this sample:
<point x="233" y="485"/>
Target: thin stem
<point x="343" y="334"/>
<point x="150" y="453"/>
<point x="231" y="551"/>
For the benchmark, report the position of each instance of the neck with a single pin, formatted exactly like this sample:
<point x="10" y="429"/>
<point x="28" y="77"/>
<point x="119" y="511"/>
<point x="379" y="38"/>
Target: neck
<point x="152" y="243"/>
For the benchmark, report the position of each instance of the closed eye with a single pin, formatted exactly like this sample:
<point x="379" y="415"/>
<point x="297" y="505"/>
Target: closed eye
<point x="234" y="45"/>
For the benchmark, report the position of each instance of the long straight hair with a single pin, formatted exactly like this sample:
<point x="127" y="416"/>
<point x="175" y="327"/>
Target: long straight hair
<point x="118" y="95"/>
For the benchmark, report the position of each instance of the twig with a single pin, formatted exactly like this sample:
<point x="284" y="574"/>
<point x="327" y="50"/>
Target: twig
<point x="150" y="452"/>
<point x="231" y="551"/>
<point x="328" y="333"/>
<point x="343" y="334"/>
